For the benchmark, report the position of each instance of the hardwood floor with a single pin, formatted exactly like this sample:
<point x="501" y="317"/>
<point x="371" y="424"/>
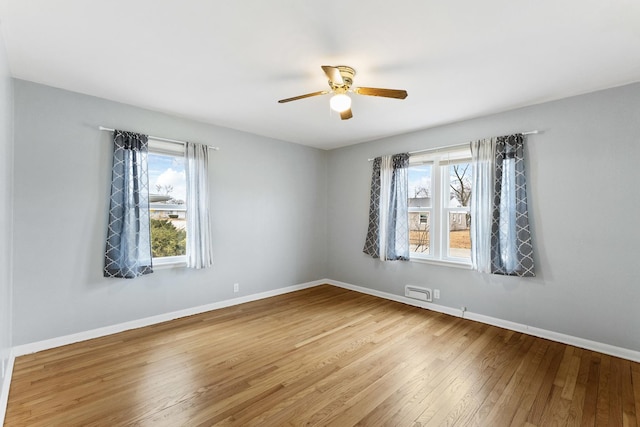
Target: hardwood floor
<point x="322" y="356"/>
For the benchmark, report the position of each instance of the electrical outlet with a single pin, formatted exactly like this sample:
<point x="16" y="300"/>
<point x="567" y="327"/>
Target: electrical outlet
<point x="236" y="287"/>
<point x="436" y="293"/>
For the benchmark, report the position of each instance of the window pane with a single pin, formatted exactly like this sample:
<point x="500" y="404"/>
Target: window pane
<point x="420" y="192"/>
<point x="459" y="234"/>
<point x="459" y="184"/>
<point x="167" y="188"/>
<point x="420" y="200"/>
<point x="419" y="232"/>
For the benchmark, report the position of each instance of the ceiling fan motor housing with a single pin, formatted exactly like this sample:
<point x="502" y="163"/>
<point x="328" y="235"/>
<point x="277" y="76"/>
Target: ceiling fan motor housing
<point x="347" y="74"/>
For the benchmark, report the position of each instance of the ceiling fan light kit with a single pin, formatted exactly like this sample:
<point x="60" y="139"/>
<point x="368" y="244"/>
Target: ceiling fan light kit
<point x="340" y="82"/>
<point x="340" y="102"/>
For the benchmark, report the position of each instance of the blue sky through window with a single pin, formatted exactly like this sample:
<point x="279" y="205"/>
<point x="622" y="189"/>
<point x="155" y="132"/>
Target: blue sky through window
<point x="166" y="170"/>
<point x="419" y="177"/>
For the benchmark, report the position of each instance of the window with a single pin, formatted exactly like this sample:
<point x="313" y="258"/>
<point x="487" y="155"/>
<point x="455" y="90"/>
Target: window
<point x="439" y="196"/>
<point x="167" y="202"/>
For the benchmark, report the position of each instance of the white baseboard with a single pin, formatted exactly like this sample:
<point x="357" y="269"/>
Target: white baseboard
<point x="624" y="353"/>
<point x="397" y="298"/>
<point x="611" y="350"/>
<point x="6" y="384"/>
<point x="34" y="347"/>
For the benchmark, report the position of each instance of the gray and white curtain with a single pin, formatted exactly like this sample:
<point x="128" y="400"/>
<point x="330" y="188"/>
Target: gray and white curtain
<point x="500" y="237"/>
<point x="388" y="233"/>
<point x="199" y="246"/>
<point x="128" y="249"/>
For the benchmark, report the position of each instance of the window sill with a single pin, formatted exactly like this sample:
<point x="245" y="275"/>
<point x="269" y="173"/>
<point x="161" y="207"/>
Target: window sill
<point x="454" y="264"/>
<point x="169" y="262"/>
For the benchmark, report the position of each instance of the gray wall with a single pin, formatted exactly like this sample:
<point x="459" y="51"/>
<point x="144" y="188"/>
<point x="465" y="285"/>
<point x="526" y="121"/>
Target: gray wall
<point x="268" y="205"/>
<point x="307" y="216"/>
<point x="6" y="196"/>
<point x="584" y="207"/>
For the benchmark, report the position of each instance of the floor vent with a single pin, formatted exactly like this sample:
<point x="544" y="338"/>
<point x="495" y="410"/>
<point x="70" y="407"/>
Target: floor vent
<point x="416" y="292"/>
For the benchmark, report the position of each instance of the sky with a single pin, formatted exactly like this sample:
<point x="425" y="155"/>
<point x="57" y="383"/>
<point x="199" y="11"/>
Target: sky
<point x="419" y="176"/>
<point x="167" y="170"/>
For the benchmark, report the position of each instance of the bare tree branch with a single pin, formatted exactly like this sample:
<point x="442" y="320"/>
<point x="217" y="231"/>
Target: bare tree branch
<point x="461" y="187"/>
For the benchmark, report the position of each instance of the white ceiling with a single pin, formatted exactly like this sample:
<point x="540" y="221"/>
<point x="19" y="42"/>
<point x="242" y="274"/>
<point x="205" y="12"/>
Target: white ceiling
<point x="228" y="62"/>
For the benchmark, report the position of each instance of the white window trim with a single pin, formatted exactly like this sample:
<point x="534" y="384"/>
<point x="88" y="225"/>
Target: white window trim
<point x="442" y="262"/>
<point x="171" y="149"/>
<point x="440" y="199"/>
<point x="169" y="262"/>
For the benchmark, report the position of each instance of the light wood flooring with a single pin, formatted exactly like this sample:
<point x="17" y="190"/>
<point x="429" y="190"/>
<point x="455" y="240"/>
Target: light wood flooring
<point x="322" y="356"/>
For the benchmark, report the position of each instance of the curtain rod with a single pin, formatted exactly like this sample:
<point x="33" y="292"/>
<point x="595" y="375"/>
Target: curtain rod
<point x="175" y="141"/>
<point x="448" y="147"/>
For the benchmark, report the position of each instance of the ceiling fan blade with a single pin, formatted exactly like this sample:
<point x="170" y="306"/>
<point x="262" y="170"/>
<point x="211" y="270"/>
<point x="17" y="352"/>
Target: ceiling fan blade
<point x="334" y="74"/>
<point x="387" y="93"/>
<point x="346" y="115"/>
<point x="308" y="95"/>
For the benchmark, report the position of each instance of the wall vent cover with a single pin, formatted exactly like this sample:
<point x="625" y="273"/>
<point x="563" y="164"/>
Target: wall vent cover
<point x="418" y="292"/>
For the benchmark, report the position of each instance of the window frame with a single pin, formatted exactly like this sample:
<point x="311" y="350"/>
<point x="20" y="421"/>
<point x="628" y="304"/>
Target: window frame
<point x="439" y="238"/>
<point x="177" y="150"/>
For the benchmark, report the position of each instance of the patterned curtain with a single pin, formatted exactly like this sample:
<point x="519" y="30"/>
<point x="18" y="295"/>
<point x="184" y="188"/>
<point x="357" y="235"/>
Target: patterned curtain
<point x="388" y="234"/>
<point x="128" y="249"/>
<point x="199" y="247"/>
<point x="510" y="248"/>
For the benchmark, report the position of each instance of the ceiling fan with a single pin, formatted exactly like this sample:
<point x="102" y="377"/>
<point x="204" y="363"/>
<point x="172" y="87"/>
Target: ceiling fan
<point x="340" y="81"/>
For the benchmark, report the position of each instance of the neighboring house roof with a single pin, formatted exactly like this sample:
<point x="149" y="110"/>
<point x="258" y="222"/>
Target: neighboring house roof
<point x="419" y="202"/>
<point x="153" y="198"/>
<point x="424" y="202"/>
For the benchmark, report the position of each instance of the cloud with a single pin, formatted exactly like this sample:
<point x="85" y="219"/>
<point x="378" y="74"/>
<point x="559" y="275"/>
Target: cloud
<point x="177" y="179"/>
